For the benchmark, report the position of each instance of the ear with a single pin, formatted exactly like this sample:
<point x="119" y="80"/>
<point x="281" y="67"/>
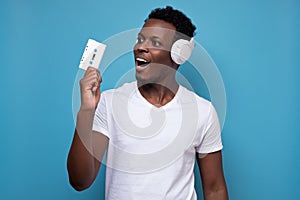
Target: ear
<point x="181" y="50"/>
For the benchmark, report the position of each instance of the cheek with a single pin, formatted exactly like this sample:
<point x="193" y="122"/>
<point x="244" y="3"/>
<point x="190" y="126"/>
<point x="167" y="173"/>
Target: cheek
<point x="161" y="57"/>
<point x="135" y="47"/>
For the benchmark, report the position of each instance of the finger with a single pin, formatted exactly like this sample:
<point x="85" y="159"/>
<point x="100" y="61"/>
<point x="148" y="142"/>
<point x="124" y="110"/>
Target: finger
<point x="91" y="70"/>
<point x="95" y="88"/>
<point x="99" y="75"/>
<point x="100" y="78"/>
<point x="91" y="75"/>
<point x="97" y="95"/>
<point x="91" y="83"/>
<point x="91" y="79"/>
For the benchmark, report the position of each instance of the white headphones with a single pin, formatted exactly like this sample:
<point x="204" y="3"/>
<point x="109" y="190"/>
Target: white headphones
<point x="181" y="50"/>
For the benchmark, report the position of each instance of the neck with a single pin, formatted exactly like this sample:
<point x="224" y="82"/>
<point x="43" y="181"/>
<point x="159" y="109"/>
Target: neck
<point x="159" y="94"/>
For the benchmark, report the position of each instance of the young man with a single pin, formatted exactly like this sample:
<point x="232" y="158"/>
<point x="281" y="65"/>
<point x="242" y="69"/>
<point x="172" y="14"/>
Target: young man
<point x="153" y="129"/>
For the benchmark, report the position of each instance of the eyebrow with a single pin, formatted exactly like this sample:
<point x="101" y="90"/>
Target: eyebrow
<point x="155" y="37"/>
<point x="152" y="37"/>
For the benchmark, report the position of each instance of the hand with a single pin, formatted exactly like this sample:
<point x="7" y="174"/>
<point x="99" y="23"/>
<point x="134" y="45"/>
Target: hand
<point x="90" y="89"/>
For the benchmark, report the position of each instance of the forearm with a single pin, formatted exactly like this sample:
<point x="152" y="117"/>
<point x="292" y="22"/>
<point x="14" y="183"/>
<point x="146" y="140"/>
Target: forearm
<point x="218" y="194"/>
<point x="213" y="180"/>
<point x="82" y="166"/>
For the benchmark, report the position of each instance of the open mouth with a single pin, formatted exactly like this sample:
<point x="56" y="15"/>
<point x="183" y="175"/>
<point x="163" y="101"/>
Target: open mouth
<point x="141" y="62"/>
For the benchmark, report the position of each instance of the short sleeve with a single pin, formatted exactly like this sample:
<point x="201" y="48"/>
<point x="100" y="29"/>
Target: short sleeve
<point x="100" y="123"/>
<point x="211" y="140"/>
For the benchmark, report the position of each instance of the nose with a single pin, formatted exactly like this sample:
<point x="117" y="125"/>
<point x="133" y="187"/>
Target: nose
<point x="142" y="46"/>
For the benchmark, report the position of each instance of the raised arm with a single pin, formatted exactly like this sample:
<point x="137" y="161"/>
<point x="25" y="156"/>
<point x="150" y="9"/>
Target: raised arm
<point x="88" y="147"/>
<point x="213" y="181"/>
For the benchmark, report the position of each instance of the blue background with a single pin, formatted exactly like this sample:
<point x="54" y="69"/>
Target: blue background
<point x="255" y="45"/>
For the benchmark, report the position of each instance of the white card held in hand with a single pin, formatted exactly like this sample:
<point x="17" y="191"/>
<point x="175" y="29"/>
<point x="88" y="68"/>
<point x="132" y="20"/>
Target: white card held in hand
<point x="92" y="54"/>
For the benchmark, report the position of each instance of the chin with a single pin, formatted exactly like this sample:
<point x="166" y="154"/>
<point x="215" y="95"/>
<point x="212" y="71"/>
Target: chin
<point x="143" y="80"/>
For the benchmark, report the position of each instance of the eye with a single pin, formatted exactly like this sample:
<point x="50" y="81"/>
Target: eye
<point x="139" y="40"/>
<point x="156" y="43"/>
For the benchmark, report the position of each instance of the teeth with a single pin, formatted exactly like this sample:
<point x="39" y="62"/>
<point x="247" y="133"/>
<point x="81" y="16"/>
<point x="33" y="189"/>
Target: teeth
<point x="141" y="60"/>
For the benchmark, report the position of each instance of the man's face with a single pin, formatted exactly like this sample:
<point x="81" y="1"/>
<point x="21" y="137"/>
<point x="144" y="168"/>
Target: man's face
<point x="152" y="52"/>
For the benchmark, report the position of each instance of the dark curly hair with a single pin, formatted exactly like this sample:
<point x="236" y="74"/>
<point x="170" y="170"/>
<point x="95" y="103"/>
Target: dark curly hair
<point x="182" y="23"/>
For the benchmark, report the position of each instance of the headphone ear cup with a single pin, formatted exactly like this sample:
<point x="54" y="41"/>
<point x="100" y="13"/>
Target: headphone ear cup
<point x="181" y="51"/>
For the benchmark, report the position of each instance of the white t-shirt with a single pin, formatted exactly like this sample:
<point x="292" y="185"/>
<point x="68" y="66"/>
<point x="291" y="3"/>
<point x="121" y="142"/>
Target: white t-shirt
<point x="151" y="151"/>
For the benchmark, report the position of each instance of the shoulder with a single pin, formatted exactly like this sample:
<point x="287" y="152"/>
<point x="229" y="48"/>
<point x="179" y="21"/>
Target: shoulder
<point x="126" y="88"/>
<point x="188" y="96"/>
<point x="123" y="88"/>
